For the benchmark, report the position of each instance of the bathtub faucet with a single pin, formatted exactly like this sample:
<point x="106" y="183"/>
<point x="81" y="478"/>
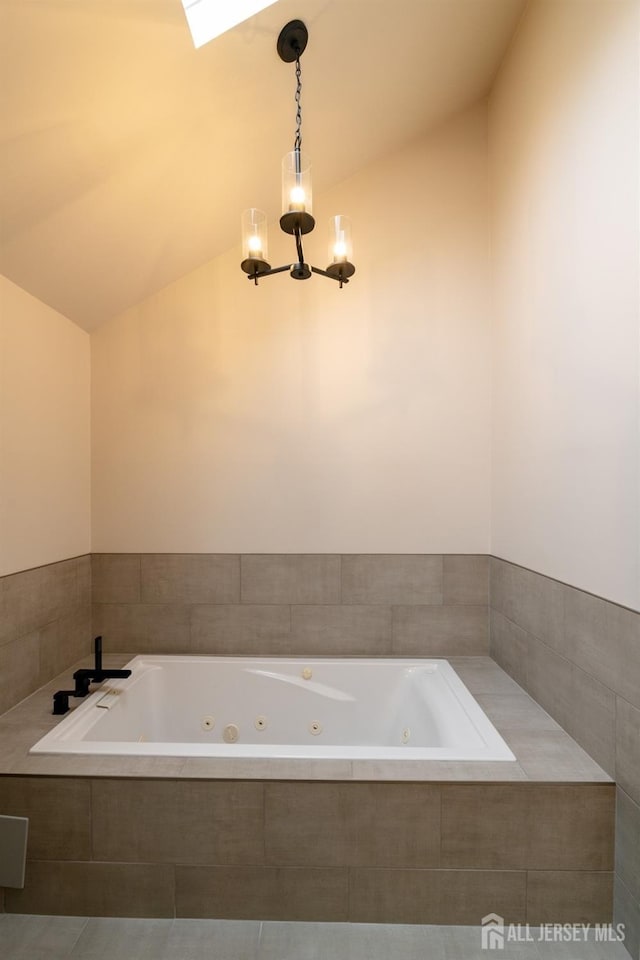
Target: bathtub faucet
<point x="84" y="678"/>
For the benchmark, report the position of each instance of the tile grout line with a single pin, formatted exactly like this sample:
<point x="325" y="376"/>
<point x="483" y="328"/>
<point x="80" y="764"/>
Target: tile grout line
<point x="80" y="934"/>
<point x="91" y="831"/>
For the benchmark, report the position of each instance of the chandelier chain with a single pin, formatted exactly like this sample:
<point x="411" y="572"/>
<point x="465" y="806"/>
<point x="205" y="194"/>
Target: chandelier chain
<point x="298" y="141"/>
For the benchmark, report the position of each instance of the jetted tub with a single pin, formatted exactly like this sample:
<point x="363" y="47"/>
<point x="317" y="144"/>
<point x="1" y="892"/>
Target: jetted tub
<point x="207" y="706"/>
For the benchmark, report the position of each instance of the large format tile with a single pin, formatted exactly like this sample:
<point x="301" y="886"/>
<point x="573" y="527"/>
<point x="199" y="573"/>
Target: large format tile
<point x="348" y="630"/>
<point x="437" y="630"/>
<point x="552" y="755"/>
<point x="577" y="896"/>
<point x="435" y="896"/>
<point x="59" y="812"/>
<point x="466" y="579"/>
<point x="73" y="888"/>
<point x="77" y="765"/>
<point x="241" y="629"/>
<point x="178" y="821"/>
<point x="528" y="826"/>
<point x="211" y="940"/>
<point x="465" y="943"/>
<point x="530" y="600"/>
<point x="64" y="641"/>
<point x="19" y="669"/>
<point x="190" y="578"/>
<point x="353" y="824"/>
<point x="623" y="627"/>
<point x="350" y="941"/>
<point x="628" y="842"/>
<point x="626" y="911"/>
<point x="143" y="627"/>
<point x="581" y="704"/>
<point x="604" y="639"/>
<point x="39" y="938"/>
<point x="290" y="578"/>
<point x="131" y="939"/>
<point x="549" y="680"/>
<point x="508" y="644"/>
<point x="59" y="588"/>
<point x="628" y="748"/>
<point x="250" y="768"/>
<point x="36" y="710"/>
<point x="425" y="771"/>
<point x="262" y="893"/>
<point x="115" y="578"/>
<point x="83" y="574"/>
<point x="580" y="944"/>
<point x="517" y="711"/>
<point x="392" y="578"/>
<point x="32" y="598"/>
<point x="482" y="675"/>
<point x="22" y="606"/>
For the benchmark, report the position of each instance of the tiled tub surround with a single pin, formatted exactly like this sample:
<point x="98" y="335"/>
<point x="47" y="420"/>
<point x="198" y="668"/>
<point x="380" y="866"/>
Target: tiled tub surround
<point x="475" y="827"/>
<point x="433" y="842"/>
<point x="45" y="625"/>
<point x="289" y="604"/>
<point x="579" y="657"/>
<point x="359" y="851"/>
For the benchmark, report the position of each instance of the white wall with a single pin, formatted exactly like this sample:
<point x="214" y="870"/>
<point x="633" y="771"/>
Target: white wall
<point x="44" y="434"/>
<point x="563" y="138"/>
<point x="298" y="417"/>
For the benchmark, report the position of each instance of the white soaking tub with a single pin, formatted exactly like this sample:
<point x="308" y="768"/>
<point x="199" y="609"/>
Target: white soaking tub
<point x="318" y="708"/>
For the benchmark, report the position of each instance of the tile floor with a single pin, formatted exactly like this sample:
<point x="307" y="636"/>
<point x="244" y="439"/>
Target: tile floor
<point x="80" y="938"/>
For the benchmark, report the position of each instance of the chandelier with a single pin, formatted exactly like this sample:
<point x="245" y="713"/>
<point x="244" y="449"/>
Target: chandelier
<point x="297" y="211"/>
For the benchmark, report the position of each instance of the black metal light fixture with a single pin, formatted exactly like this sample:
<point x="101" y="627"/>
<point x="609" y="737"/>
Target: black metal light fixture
<point x="297" y="216"/>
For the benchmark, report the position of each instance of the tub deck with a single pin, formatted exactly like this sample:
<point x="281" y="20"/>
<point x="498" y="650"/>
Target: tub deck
<point x="544" y="751"/>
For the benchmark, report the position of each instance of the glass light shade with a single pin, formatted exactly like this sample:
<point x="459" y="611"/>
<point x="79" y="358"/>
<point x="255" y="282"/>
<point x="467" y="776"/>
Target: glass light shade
<point x="297" y="196"/>
<point x="254" y="235"/>
<point x="340" y="242"/>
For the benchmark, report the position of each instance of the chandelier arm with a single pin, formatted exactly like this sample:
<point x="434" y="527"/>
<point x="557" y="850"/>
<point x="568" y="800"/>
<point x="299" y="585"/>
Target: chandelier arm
<point x="299" y="249"/>
<point x="332" y="276"/>
<point x="267" y="273"/>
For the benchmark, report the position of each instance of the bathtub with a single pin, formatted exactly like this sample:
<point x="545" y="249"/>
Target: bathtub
<point x="208" y="706"/>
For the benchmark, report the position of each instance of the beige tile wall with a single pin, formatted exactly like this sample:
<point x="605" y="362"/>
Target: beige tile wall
<point x="45" y="625"/>
<point x="579" y="657"/>
<point x="359" y="605"/>
<point x="359" y="851"/>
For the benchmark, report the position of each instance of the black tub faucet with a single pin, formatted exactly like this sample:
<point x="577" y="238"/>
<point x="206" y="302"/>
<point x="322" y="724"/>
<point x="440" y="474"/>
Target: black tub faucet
<point x="84" y="678"/>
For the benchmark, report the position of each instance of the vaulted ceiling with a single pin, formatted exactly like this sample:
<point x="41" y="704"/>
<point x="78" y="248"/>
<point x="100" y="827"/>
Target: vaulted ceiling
<point x="128" y="156"/>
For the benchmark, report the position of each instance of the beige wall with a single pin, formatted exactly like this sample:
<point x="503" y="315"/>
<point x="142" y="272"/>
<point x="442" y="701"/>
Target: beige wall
<point x="44" y="434"/>
<point x="298" y="417"/>
<point x="563" y="139"/>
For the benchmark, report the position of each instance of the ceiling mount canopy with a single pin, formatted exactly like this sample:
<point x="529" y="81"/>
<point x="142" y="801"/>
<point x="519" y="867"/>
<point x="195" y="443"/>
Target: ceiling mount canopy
<point x="292" y="41"/>
<point x="297" y="208"/>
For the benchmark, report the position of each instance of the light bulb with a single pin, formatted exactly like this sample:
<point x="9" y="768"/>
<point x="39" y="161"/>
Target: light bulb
<point x="297" y="198"/>
<point x="254" y="245"/>
<point x="339" y="251"/>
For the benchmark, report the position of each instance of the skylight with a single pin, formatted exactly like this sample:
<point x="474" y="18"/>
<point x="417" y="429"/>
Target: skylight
<point x="209" y="18"/>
